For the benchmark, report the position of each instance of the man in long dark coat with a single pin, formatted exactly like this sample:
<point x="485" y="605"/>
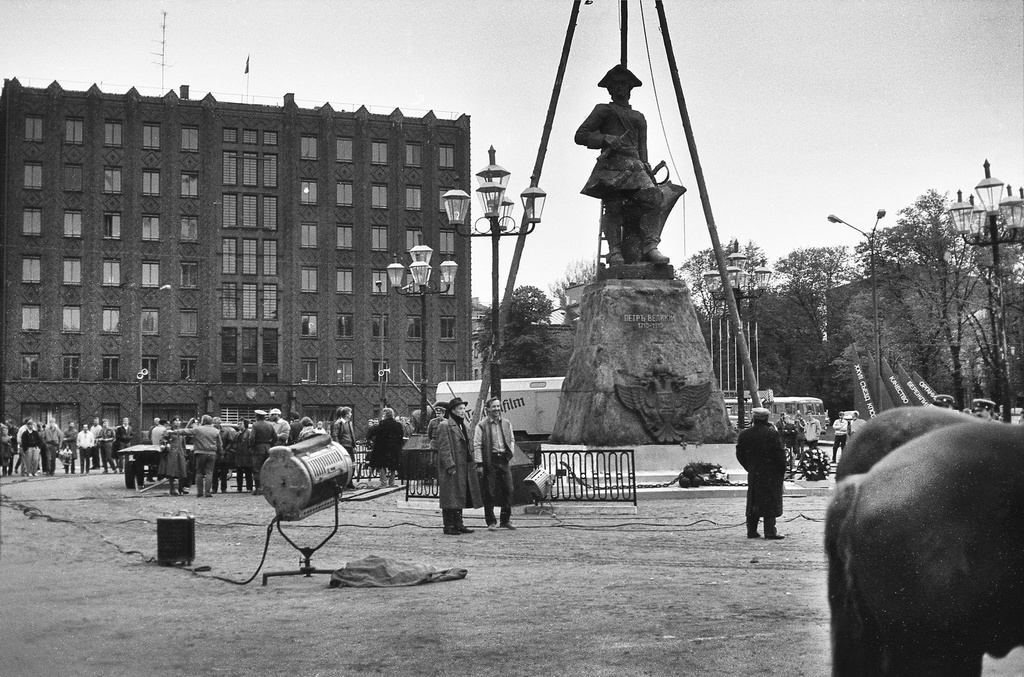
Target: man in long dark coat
<point x="458" y="469"/>
<point x="759" y="450"/>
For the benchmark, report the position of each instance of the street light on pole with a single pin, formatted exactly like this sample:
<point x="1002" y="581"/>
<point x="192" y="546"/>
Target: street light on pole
<point x="382" y="372"/>
<point x="874" y="300"/>
<point x="144" y="374"/>
<point x="421" y="285"/>
<point x="497" y="222"/>
<point x="980" y="227"/>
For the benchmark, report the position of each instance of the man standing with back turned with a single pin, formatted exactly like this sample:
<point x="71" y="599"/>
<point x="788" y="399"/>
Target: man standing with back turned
<point x="759" y="450"/>
<point x="492" y="443"/>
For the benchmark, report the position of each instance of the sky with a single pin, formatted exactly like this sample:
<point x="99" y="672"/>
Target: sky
<point x="799" y="108"/>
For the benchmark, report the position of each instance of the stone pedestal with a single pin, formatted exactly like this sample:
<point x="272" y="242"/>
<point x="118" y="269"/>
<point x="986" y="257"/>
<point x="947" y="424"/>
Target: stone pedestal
<point x="640" y="371"/>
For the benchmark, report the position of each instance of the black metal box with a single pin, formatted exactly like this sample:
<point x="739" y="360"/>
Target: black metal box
<point x="175" y="540"/>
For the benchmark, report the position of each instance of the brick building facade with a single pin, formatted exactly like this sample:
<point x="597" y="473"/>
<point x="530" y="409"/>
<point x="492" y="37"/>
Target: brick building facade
<point x="232" y="250"/>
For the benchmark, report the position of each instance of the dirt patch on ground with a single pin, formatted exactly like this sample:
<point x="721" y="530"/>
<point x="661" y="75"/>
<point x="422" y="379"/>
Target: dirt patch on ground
<point x="674" y="589"/>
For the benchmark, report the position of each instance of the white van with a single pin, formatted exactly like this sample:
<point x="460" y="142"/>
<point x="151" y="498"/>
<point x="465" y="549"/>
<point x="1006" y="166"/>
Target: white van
<point x="530" y="404"/>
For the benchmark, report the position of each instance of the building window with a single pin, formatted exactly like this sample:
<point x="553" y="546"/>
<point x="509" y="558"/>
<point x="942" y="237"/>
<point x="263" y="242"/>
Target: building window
<point x="447" y="371"/>
<point x="307" y="148"/>
<point x="249" y="136"/>
<point x="111" y="367"/>
<point x="344" y="280"/>
<point x="344" y="194"/>
<point x="269" y="212"/>
<point x="112" y="180"/>
<point x="189" y="274"/>
<point x="69" y="367"/>
<point x="112" y="225"/>
<point x="73" y="177"/>
<point x="269" y="138"/>
<point x="249" y="161"/>
<point x="229" y="301"/>
<point x="31" y="222"/>
<point x="229" y="211"/>
<point x="248" y="301"/>
<point x="229" y="345"/>
<point x="412" y="197"/>
<point x="150" y="182"/>
<point x="381" y="371"/>
<point x="190" y="138"/>
<point x="270" y="302"/>
<point x="413" y="238"/>
<point x="33" y="175"/>
<point x="379" y="281"/>
<point x="228" y="255"/>
<point x="309" y="370"/>
<point x="72" y="224"/>
<point x="30" y="365"/>
<point x="345" y="371"/>
<point x="150" y="227"/>
<point x="189" y="320"/>
<point x="447" y="328"/>
<point x="111" y="273"/>
<point x="378" y="324"/>
<point x="31" y="269"/>
<point x="73" y="271"/>
<point x="270" y="257"/>
<point x="111" y="133"/>
<point x="379" y="238"/>
<point x="343" y="233"/>
<point x="73" y="131"/>
<point x="229" y="172"/>
<point x="150" y="136"/>
<point x="379" y="152"/>
<point x="188" y="368"/>
<point x="189" y="229"/>
<point x="379" y="196"/>
<point x="307" y="326"/>
<point x="30" y="318"/>
<point x="111" y="321"/>
<point x="414" y="327"/>
<point x="230" y="135"/>
<point x="189" y="184"/>
<point x="308" y="280"/>
<point x="412" y="154"/>
<point x="248" y="257"/>
<point x="446" y="156"/>
<point x="71" y="320"/>
<point x="250" y="346"/>
<point x="308" y="196"/>
<point x="270" y="171"/>
<point x="150" y="322"/>
<point x="270" y="346"/>
<point x="346" y="328"/>
<point x="150" y="364"/>
<point x="308" y="235"/>
<point x="33" y="128"/>
<point x="343" y="146"/>
<point x="415" y="370"/>
<point x="446" y="241"/>
<point x="249" y="211"/>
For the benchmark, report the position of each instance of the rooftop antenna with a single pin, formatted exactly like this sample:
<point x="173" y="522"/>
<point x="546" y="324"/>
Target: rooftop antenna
<point x="163" y="48"/>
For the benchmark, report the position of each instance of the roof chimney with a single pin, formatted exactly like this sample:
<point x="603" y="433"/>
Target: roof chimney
<point x="184" y="92"/>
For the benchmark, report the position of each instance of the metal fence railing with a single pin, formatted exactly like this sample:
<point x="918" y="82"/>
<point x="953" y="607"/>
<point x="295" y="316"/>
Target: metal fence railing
<point x="590" y="475"/>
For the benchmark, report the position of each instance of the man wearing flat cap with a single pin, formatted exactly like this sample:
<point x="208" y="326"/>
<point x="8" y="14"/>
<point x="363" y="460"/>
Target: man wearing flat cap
<point x="759" y="450"/>
<point x="622" y="177"/>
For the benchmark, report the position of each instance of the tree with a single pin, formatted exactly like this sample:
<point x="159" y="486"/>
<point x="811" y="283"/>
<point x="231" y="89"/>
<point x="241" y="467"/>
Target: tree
<point x="580" y="271"/>
<point x="525" y="346"/>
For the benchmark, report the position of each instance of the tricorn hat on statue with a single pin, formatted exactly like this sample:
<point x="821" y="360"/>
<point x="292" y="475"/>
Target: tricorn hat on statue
<point x="620" y="72"/>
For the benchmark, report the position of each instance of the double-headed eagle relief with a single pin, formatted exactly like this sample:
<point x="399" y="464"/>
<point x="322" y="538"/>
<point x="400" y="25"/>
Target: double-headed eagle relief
<point x="663" y="401"/>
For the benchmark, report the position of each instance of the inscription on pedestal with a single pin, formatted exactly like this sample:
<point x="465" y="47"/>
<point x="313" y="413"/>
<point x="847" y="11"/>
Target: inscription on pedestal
<point x="647" y="321"/>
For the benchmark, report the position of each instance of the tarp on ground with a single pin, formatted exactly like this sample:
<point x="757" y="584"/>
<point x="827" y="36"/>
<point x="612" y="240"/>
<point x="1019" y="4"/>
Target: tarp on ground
<point x="384" y="572"/>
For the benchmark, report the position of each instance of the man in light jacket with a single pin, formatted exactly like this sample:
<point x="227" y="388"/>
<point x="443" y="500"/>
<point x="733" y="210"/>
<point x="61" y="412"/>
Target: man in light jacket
<point x="492" y="444"/>
<point x="206" y="447"/>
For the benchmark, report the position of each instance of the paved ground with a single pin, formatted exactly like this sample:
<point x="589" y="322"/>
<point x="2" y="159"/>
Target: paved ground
<point x="674" y="589"/>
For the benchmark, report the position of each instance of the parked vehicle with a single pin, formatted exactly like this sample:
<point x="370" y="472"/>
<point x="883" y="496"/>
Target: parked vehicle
<point x="531" y="404"/>
<point x="803" y="405"/>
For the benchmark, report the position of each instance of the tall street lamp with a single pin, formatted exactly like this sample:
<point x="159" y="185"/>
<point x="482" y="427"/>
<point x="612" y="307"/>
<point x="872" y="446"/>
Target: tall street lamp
<point x="980" y="227"/>
<point x="497" y="222"/>
<point x="382" y="371"/>
<point x="421" y="285"/>
<point x="744" y="286"/>
<point x="143" y="374"/>
<point x="874" y="300"/>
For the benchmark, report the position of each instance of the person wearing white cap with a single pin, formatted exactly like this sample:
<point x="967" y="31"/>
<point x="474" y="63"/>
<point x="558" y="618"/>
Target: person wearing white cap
<point x="281" y="427"/>
<point x="263" y="437"/>
<point x="759" y="450"/>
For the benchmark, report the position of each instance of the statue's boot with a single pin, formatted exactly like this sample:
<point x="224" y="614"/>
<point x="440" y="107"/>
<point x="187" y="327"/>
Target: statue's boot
<point x="653" y="222"/>
<point x="612" y="229"/>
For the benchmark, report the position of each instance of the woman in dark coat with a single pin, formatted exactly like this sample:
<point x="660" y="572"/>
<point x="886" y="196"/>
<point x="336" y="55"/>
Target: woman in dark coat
<point x="457" y="469"/>
<point x="173" y="464"/>
<point x="243" y="457"/>
<point x="387" y="438"/>
<point x="759" y="450"/>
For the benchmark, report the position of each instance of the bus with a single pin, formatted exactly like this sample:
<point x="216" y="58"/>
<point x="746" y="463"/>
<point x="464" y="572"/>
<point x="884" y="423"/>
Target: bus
<point x="805" y="406"/>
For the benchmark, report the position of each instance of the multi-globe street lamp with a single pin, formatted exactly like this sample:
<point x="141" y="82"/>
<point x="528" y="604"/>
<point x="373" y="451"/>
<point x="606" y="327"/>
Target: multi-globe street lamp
<point x="421" y="285"/>
<point x="497" y="222"/>
<point x="745" y="286"/>
<point x="981" y="227"/>
<point x="879" y="215"/>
